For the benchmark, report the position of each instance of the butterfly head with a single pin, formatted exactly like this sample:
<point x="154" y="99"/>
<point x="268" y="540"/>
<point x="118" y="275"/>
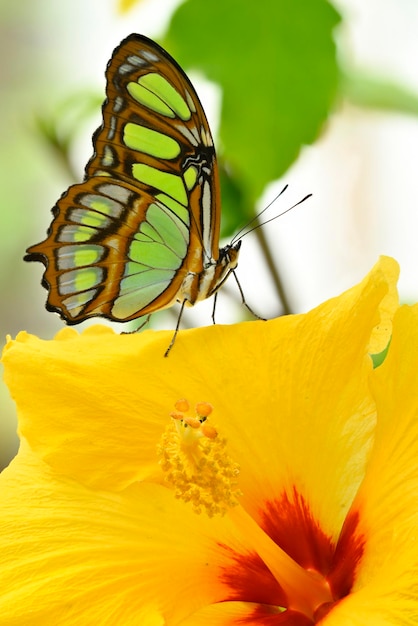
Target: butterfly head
<point x="228" y="256"/>
<point x="226" y="263"/>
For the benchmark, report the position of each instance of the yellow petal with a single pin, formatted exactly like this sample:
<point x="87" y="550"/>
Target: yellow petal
<point x="237" y="613"/>
<point x="299" y="415"/>
<point x="387" y="503"/>
<point x="94" y="405"/>
<point x="383" y="330"/>
<point x="70" y="555"/>
<point x="82" y="404"/>
<point x="292" y="398"/>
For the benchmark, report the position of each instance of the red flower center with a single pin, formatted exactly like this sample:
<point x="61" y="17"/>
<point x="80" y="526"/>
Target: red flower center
<point x="290" y="524"/>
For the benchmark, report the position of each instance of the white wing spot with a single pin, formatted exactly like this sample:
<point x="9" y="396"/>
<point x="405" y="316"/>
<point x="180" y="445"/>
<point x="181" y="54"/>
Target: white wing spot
<point x="192" y="137"/>
<point x="206" y="219"/>
<point x="190" y="102"/>
<point x="150" y="56"/>
<point x="112" y="128"/>
<point x="136" y="60"/>
<point x="118" y="104"/>
<point x="125" y="68"/>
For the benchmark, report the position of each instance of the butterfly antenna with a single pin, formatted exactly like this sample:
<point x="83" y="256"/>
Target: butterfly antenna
<point x="272" y="218"/>
<point x="256" y="217"/>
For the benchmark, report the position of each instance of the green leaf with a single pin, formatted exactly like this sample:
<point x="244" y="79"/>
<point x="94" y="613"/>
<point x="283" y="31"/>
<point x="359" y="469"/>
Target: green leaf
<point x="58" y="127"/>
<point x="235" y="212"/>
<point x="276" y="64"/>
<point x="377" y="359"/>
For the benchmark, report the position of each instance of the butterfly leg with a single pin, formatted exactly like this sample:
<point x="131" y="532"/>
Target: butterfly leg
<point x="176" y="330"/>
<point x="215" y="299"/>
<point x="136" y="330"/>
<point x="244" y="301"/>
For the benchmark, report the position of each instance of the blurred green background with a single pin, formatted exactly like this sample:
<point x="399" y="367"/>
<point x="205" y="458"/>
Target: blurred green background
<point x="319" y="95"/>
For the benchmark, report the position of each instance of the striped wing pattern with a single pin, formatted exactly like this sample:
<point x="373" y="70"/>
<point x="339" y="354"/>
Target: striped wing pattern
<point x="133" y="236"/>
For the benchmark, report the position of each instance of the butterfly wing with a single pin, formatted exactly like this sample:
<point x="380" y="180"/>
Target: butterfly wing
<point x="147" y="215"/>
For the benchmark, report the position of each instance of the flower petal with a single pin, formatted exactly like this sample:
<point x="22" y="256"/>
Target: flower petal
<point x="81" y="403"/>
<point x="300" y="416"/>
<point x="383" y="330"/>
<point x="385" y="589"/>
<point x="71" y="555"/>
<point x="292" y="399"/>
<point x="245" y="613"/>
<point x="102" y="413"/>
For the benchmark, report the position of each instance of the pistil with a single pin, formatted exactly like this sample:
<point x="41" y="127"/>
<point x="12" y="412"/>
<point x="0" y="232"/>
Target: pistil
<point x="306" y="590"/>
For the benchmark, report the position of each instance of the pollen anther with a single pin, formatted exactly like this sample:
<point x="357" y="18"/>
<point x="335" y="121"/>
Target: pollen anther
<point x="204" y="409"/>
<point x="209" y="431"/>
<point x="193" y="422"/>
<point x="176" y="416"/>
<point x="195" y="461"/>
<point x="182" y="405"/>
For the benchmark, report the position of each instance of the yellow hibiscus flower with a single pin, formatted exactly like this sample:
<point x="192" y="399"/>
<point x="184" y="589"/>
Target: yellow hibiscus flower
<point x="263" y="474"/>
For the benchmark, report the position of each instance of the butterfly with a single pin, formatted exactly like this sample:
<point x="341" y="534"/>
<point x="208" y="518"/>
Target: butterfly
<point x="142" y="231"/>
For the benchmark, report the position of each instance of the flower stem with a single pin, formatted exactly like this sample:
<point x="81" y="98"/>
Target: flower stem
<point x="306" y="591"/>
<point x="273" y="271"/>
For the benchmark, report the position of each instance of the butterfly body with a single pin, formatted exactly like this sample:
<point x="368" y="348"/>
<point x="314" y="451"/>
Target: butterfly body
<point x="142" y="231"/>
